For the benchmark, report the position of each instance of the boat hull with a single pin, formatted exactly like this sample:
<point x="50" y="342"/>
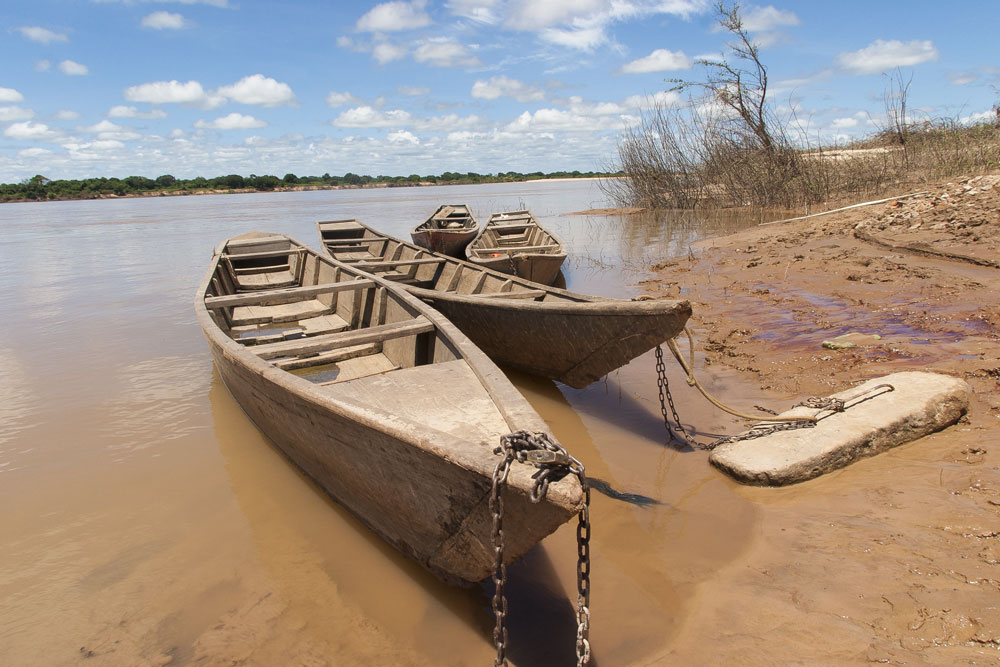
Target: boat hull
<point x="422" y="484"/>
<point x="536" y="268"/>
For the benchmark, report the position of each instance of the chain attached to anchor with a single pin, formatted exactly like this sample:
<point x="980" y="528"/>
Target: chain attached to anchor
<point x="553" y="463"/>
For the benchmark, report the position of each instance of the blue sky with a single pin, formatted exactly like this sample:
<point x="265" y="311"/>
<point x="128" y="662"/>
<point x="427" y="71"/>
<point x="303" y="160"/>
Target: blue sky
<point x="211" y="87"/>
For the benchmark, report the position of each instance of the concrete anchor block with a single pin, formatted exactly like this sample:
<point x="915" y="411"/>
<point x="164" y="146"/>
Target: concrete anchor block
<point x="921" y="403"/>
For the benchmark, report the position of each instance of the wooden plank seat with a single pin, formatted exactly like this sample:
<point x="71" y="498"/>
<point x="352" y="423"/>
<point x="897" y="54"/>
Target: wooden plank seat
<point x="328" y="357"/>
<point x="273" y="297"/>
<point x="399" y="262"/>
<point x="267" y="280"/>
<point x="263" y="254"/>
<point x="512" y="225"/>
<point x="282" y="312"/>
<point x="323" y="343"/>
<point x="515" y="248"/>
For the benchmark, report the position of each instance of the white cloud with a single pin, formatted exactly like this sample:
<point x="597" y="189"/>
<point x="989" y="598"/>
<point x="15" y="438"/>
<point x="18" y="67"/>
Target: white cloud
<point x="72" y="68"/>
<point x="402" y="137"/>
<point x="444" y="52"/>
<point x="66" y="114"/>
<point x="660" y="60"/>
<point x="10" y="95"/>
<point x="557" y="120"/>
<point x="664" y="98"/>
<point x="394" y="16"/>
<point x="366" y="116"/>
<point x="163" y="21"/>
<point x="385" y="52"/>
<point x="335" y="99"/>
<point x="413" y="91"/>
<point x="844" y="123"/>
<point x="108" y="131"/>
<point x="15" y="113"/>
<point x="259" y="90"/>
<point x="480" y="11"/>
<point x="445" y="123"/>
<point x="29" y="130"/>
<point x="167" y="92"/>
<point x="34" y="152"/>
<point x="880" y="56"/>
<point x="122" y="111"/>
<point x="41" y="35"/>
<point x="583" y="39"/>
<point x="962" y="78"/>
<point x="758" y="19"/>
<point x="533" y="15"/>
<point x="498" y="86"/>
<point x="981" y="117"/>
<point x="233" y="121"/>
<point x="43" y="66"/>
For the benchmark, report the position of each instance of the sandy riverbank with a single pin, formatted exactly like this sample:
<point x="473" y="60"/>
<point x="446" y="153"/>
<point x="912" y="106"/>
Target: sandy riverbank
<point x="895" y="559"/>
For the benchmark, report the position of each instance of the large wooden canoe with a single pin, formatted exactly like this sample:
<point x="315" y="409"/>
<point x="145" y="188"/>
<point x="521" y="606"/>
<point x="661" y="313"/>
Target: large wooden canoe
<point x="573" y="338"/>
<point x="447" y="231"/>
<point x="514" y="243"/>
<point x="378" y="398"/>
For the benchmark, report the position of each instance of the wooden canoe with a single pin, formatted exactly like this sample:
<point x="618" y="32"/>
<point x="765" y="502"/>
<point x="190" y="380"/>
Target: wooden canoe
<point x="573" y="338"/>
<point x="378" y="398"/>
<point x="515" y="243"/>
<point x="447" y="231"/>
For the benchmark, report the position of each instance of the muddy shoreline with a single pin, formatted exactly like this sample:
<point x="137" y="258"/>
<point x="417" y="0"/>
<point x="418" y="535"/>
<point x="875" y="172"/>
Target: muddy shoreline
<point x="895" y="559"/>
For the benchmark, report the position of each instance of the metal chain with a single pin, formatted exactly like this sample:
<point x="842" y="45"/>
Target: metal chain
<point x="666" y="398"/>
<point x="552" y="460"/>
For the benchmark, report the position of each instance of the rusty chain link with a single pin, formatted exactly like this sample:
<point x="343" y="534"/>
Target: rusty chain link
<point x="552" y="460"/>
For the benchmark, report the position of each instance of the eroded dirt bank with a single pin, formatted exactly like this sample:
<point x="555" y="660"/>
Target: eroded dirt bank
<point x="895" y="559"/>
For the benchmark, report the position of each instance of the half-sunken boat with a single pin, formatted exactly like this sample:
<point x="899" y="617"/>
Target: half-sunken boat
<point x="515" y="243"/>
<point x="378" y="398"/>
<point x="447" y="231"/>
<point x="573" y="338"/>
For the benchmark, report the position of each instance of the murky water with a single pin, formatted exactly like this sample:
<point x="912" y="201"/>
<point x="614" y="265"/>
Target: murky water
<point x="146" y="521"/>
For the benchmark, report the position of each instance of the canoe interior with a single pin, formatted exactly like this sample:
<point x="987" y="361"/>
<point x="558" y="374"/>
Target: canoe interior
<point x="450" y="217"/>
<point x="517" y="231"/>
<point x="321" y="322"/>
<point x="353" y="242"/>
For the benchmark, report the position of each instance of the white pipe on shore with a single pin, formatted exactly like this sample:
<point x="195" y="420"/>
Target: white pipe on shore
<point x="837" y="210"/>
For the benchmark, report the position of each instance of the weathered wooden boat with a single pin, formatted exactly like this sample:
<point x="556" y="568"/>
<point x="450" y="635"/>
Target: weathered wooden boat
<point x="379" y="399"/>
<point x="447" y="231"/>
<point x="573" y="338"/>
<point x="515" y="243"/>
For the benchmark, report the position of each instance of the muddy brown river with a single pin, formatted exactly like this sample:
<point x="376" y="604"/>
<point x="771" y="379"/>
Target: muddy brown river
<point x="146" y="521"/>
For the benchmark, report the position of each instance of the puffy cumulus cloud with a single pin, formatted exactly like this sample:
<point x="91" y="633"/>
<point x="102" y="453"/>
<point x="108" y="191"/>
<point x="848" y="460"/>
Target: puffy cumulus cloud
<point x="386" y="52"/>
<point x="844" y="123"/>
<point x="444" y="52"/>
<point x="533" y="15"/>
<point x="880" y="56"/>
<point x="660" y="60"/>
<point x="394" y="16"/>
<point x="413" y="91"/>
<point x="163" y="21"/>
<point x="366" y="116"/>
<point x="122" y="111"/>
<point x="402" y="137"/>
<point x="503" y="86"/>
<point x="758" y="19"/>
<point x="66" y="114"/>
<point x="335" y="99"/>
<point x="445" y="123"/>
<point x="43" y="66"/>
<point x="981" y="117"/>
<point x="29" y="130"/>
<point x="108" y="131"/>
<point x="15" y="113"/>
<point x="559" y="120"/>
<point x="73" y="68"/>
<point x="663" y="99"/>
<point x="259" y="90"/>
<point x="41" y="35"/>
<point x="167" y="92"/>
<point x="233" y="121"/>
<point x="10" y="95"/>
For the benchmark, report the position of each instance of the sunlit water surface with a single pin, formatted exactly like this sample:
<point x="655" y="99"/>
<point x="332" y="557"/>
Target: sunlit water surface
<point x="145" y="520"/>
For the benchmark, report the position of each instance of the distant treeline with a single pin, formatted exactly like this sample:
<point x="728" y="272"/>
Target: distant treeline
<point x="38" y="188"/>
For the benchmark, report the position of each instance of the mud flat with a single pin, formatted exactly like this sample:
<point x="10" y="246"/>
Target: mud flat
<point x="896" y="558"/>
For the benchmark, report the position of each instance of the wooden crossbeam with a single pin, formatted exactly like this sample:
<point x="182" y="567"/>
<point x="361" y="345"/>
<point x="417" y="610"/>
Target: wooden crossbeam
<point x="376" y="334"/>
<point x="277" y="296"/>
